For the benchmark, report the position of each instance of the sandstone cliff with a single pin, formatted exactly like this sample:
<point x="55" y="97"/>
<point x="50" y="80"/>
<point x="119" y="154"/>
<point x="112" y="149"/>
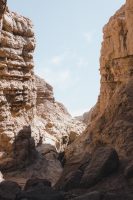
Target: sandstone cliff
<point x="110" y="123"/>
<point x="111" y="120"/>
<point x="17" y="85"/>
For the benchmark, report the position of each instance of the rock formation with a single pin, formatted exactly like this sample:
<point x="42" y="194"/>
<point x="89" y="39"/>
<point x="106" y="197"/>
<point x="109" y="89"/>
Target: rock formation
<point x="29" y="115"/>
<point x="111" y="119"/>
<point x="17" y="85"/>
<point x="98" y="164"/>
<point x="53" y="124"/>
<point x="110" y="122"/>
<point x="26" y="99"/>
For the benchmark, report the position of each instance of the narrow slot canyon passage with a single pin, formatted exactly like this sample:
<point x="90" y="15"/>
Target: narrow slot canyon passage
<point x="66" y="101"/>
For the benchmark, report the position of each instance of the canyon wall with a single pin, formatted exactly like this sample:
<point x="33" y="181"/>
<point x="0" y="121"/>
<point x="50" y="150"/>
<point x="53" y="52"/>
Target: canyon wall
<point x="101" y="158"/>
<point x="97" y="164"/>
<point x="25" y="99"/>
<point x="17" y="85"/>
<point x="111" y="119"/>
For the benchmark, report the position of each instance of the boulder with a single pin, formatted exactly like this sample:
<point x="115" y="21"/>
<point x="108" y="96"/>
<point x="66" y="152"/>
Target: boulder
<point x="71" y="180"/>
<point x="24" y="152"/>
<point x="72" y="174"/>
<point x="39" y="190"/>
<point x="118" y="196"/>
<point x="95" y="195"/>
<point x="31" y="183"/>
<point x="38" y="195"/>
<point x="104" y="162"/>
<point x="9" y="190"/>
<point x="128" y="172"/>
<point x="24" y="148"/>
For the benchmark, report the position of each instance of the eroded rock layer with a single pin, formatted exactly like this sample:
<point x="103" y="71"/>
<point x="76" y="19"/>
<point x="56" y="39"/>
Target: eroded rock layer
<point x="17" y="85"/>
<point x="52" y="123"/>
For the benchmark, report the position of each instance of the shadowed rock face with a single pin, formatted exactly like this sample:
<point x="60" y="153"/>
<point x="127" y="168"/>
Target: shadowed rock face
<point x="2" y="7"/>
<point x="24" y="152"/>
<point x="9" y="190"/>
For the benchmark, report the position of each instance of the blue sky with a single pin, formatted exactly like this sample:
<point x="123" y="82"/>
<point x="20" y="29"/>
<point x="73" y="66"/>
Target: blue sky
<point x="69" y="36"/>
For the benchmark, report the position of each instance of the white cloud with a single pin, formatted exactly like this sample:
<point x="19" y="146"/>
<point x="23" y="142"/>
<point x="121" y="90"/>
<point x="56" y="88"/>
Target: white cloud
<point x="64" y="76"/>
<point x="56" y="60"/>
<point x="82" y="63"/>
<point x="88" y="36"/>
<point x="60" y="78"/>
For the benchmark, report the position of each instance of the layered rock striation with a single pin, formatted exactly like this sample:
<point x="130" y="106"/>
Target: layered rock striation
<point x="53" y="124"/>
<point x="17" y="85"/>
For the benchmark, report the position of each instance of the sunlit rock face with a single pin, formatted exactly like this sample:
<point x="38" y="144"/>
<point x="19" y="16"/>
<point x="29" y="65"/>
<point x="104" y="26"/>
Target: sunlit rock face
<point x="17" y="85"/>
<point x="112" y="117"/>
<point x="116" y="61"/>
<point x="1" y="177"/>
<point x="116" y="54"/>
<point x="52" y="123"/>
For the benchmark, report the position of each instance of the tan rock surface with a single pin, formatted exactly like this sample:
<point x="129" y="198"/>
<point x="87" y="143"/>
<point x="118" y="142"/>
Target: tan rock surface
<point x="17" y="86"/>
<point x="53" y="124"/>
<point x="112" y="122"/>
